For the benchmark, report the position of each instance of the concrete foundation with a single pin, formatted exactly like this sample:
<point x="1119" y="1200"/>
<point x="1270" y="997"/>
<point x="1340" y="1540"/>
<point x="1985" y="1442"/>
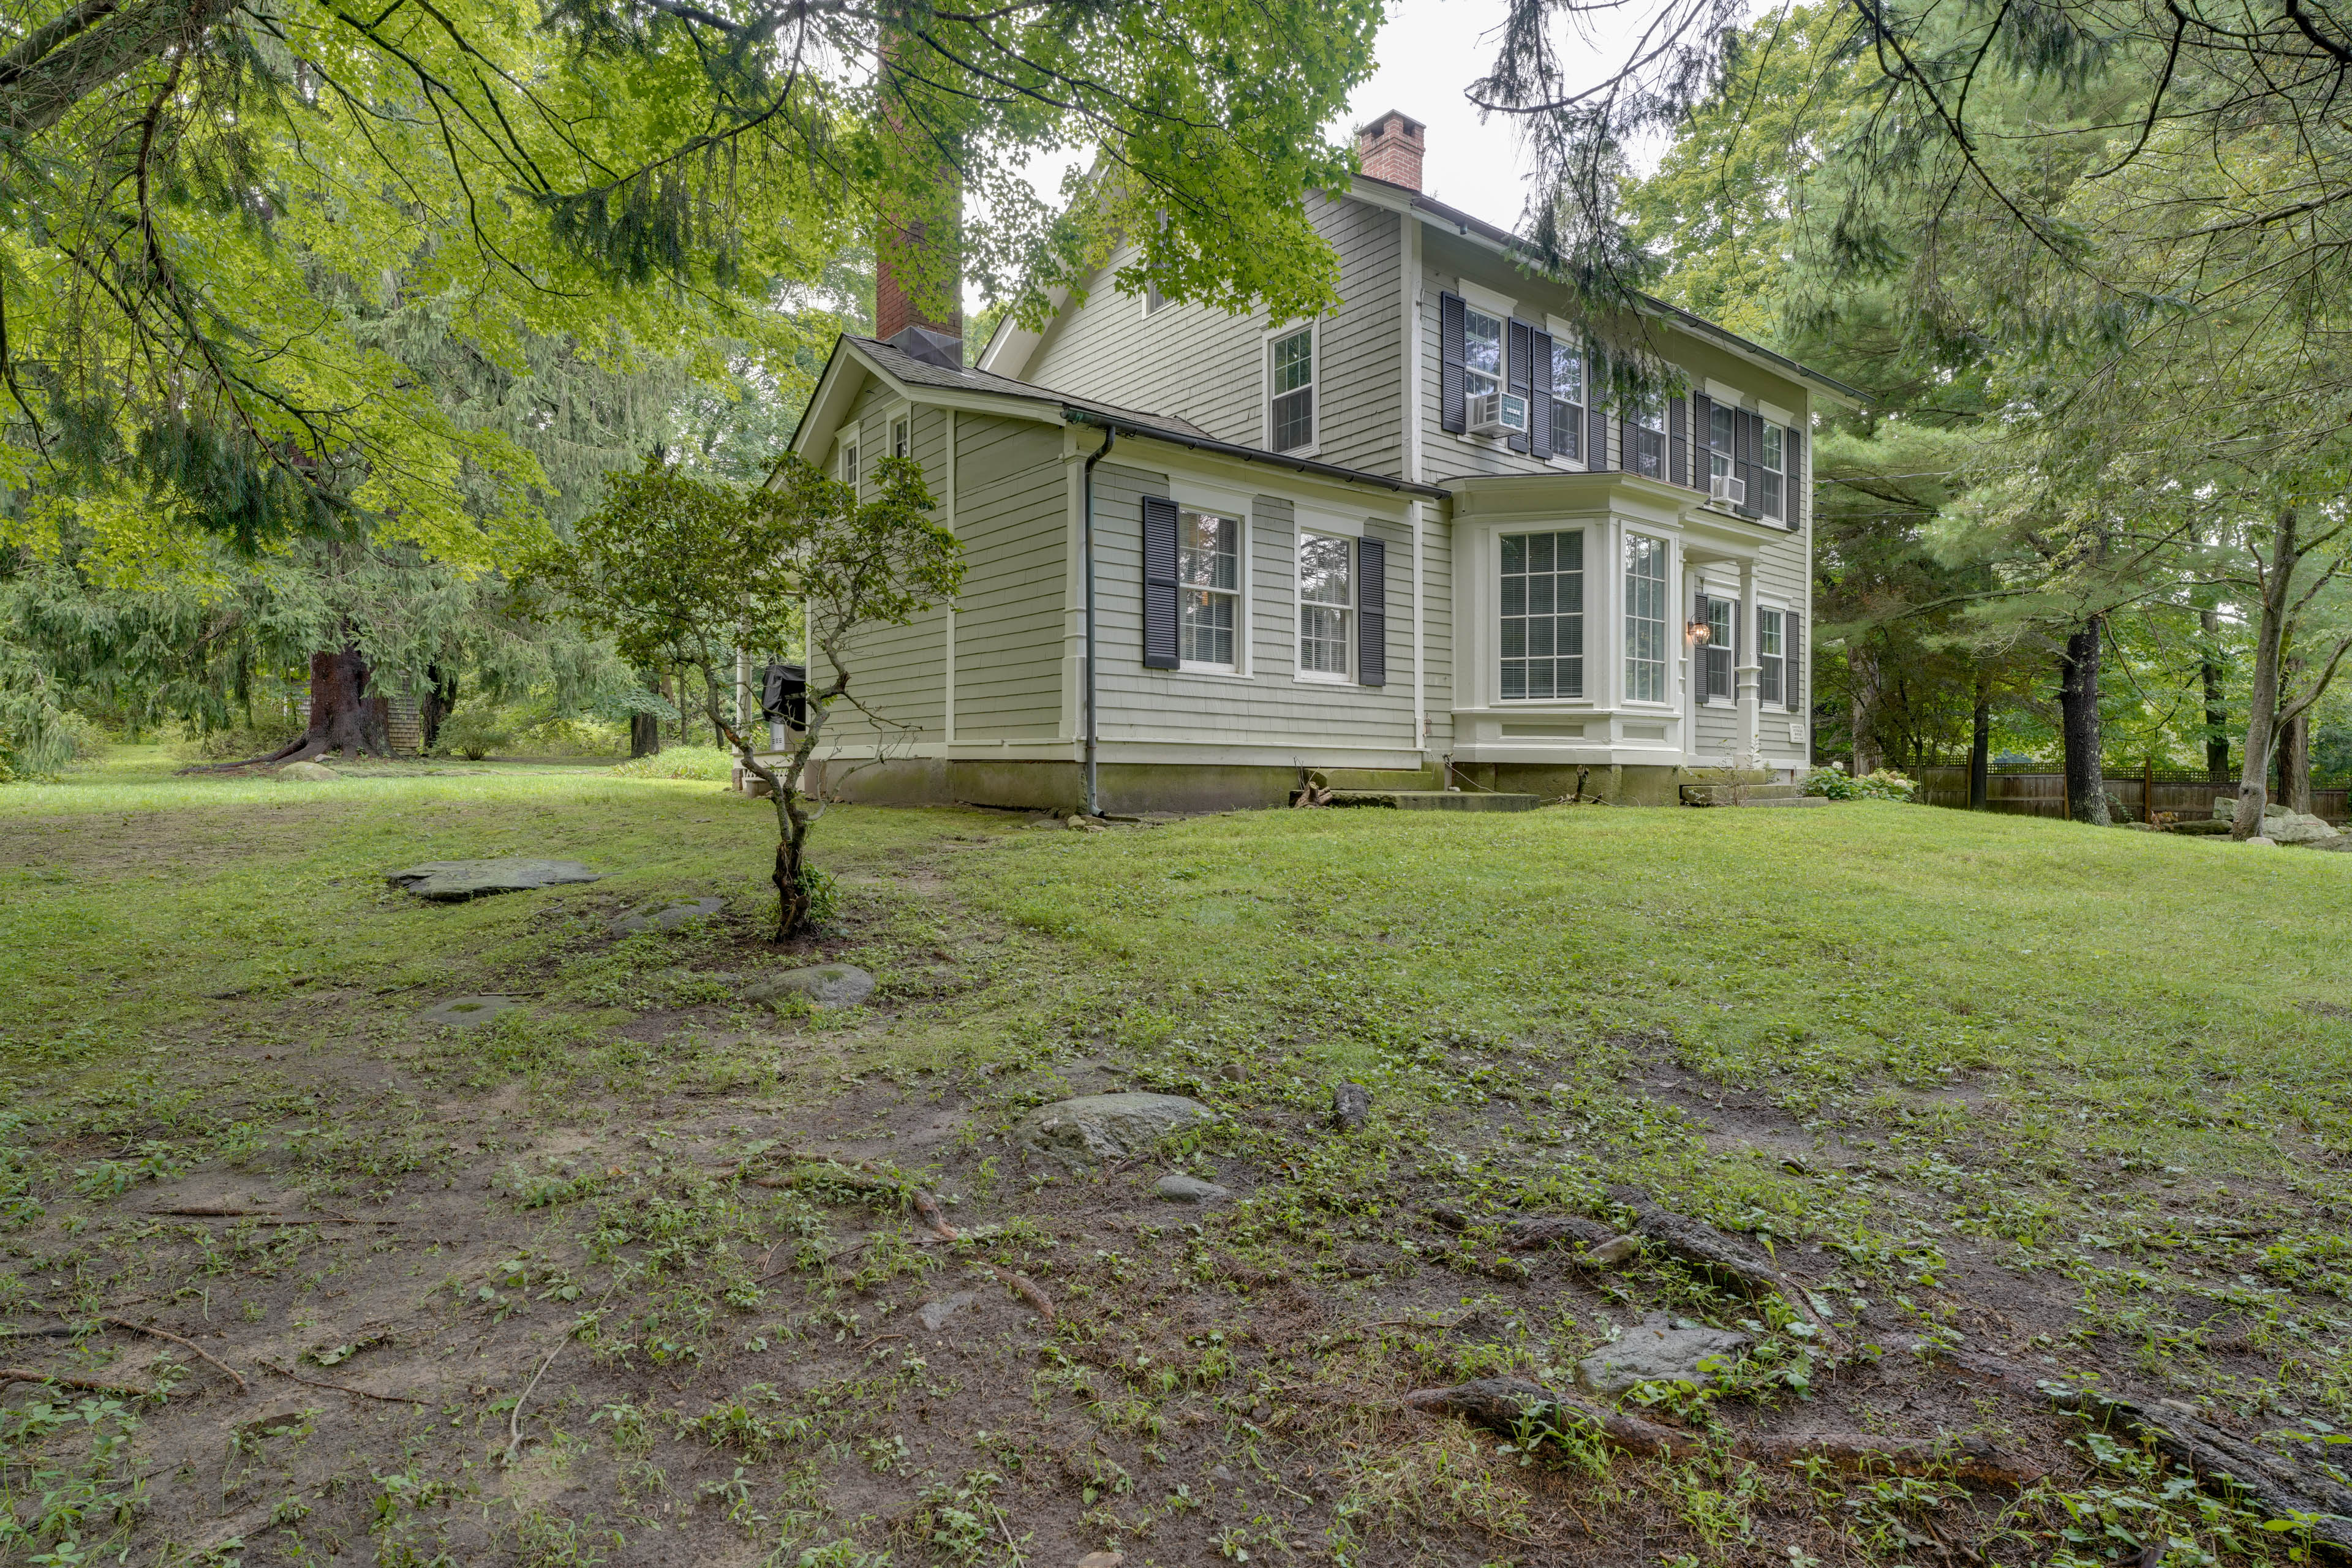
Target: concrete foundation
<point x="1131" y="788"/>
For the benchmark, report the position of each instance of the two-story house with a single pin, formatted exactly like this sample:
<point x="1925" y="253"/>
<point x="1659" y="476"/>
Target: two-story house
<point x="1408" y="538"/>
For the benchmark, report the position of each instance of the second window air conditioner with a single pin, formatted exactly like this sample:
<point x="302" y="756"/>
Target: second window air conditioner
<point x="1498" y="414"/>
<point x="1723" y="487"/>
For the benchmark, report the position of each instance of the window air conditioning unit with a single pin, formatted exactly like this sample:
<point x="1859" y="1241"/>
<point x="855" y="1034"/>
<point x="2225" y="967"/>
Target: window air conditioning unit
<point x="1723" y="487"/>
<point x="1498" y="414"/>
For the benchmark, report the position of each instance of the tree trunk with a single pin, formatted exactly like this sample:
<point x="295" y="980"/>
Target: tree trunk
<point x="440" y="702"/>
<point x="2293" y="748"/>
<point x="2262" y="702"/>
<point x="644" y="734"/>
<point x="1861" y="686"/>
<point x="2217" y="717"/>
<point x="343" y="717"/>
<point x="1980" y="745"/>
<point x="2078" y="706"/>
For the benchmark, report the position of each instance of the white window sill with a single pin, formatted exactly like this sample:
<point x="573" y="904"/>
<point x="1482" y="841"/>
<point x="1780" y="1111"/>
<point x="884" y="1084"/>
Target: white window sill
<point x="1224" y="671"/>
<point x="1317" y="677"/>
<point x="1312" y="449"/>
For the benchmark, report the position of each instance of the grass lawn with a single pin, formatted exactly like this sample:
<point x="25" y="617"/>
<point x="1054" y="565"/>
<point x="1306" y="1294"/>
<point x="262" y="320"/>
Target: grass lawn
<point x="562" y="1288"/>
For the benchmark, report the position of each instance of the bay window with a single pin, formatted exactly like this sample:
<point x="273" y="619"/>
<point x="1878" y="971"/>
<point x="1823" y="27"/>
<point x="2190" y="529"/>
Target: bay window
<point x="1542" y="631"/>
<point x="1645" y="619"/>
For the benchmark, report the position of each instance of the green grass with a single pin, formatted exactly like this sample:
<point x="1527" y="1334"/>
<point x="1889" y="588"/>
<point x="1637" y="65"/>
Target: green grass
<point x="2039" y="1087"/>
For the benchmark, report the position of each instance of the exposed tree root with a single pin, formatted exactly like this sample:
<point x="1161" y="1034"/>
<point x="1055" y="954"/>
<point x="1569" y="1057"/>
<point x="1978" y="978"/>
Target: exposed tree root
<point x="1502" y="1404"/>
<point x="167" y="1335"/>
<point x="28" y="1375"/>
<point x="337" y="1387"/>
<point x="1027" y="1289"/>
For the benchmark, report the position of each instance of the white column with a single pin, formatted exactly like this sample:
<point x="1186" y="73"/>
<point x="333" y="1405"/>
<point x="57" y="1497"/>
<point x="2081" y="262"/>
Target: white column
<point x="1749" y="667"/>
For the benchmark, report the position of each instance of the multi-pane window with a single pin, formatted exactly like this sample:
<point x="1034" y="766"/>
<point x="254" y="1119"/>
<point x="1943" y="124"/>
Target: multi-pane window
<point x="1482" y="351"/>
<point x="1566" y="401"/>
<point x="1543" y="615"/>
<point x="1646" y="451"/>
<point x="1719" y="442"/>
<point x="1767" y="499"/>
<point x="1290" y="413"/>
<point x="1722" y="648"/>
<point x="1326" y="604"/>
<point x="1769" y="654"/>
<point x="901" y="442"/>
<point x="849" y="462"/>
<point x="1645" y="619"/>
<point x="1208" y="577"/>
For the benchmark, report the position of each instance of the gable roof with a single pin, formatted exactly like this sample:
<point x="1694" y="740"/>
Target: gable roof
<point x="1010" y="339"/>
<point x="981" y="391"/>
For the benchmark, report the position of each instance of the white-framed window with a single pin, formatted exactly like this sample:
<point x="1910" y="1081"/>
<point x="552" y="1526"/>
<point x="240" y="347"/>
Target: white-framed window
<point x="1768" y="471"/>
<point x="1290" y="390"/>
<point x="902" y="436"/>
<point x="849" y="463"/>
<point x="1152" y="298"/>
<point x="1326" y="606"/>
<point x="1542" y="629"/>
<point x="1646" y="618"/>
<point x="1717" y="435"/>
<point x="1771" y="655"/>
<point x="1209" y="581"/>
<point x="1721" y="653"/>
<point x="1482" y="351"/>
<point x="1645" y="453"/>
<point x="1566" y="402"/>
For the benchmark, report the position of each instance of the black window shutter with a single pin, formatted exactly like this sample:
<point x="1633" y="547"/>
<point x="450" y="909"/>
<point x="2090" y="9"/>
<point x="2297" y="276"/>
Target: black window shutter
<point x="1625" y="448"/>
<point x="1159" y="584"/>
<point x="1792" y="639"/>
<point x="1540" y="401"/>
<point x="1678" y="444"/>
<point x="1371" y="613"/>
<point x="1792" y="484"/>
<point x="1519" y="337"/>
<point x="1452" y="390"/>
<point x="1596" y="419"/>
<point x="1743" y="458"/>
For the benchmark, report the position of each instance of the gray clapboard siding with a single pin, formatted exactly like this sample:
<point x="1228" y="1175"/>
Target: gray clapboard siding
<point x="1437" y="630"/>
<point x="1210" y="367"/>
<point x="898" y="672"/>
<point x="1012" y="512"/>
<point x="1270" y="707"/>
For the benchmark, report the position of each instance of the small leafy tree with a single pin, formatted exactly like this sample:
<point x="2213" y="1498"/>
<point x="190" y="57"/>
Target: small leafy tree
<point x="682" y="571"/>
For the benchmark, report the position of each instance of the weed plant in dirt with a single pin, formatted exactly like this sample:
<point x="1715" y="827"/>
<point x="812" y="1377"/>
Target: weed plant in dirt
<point x="2011" y="1155"/>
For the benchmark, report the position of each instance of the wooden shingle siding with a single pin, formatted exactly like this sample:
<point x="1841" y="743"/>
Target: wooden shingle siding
<point x="1011" y="508"/>
<point x="1270" y="707"/>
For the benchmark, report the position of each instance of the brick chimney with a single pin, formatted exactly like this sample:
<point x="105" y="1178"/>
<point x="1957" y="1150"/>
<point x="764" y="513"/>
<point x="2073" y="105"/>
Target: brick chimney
<point x="898" y="319"/>
<point x="1390" y="149"/>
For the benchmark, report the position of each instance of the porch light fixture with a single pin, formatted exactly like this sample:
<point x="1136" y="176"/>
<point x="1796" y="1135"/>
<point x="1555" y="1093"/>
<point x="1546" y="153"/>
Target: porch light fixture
<point x="1695" y="632"/>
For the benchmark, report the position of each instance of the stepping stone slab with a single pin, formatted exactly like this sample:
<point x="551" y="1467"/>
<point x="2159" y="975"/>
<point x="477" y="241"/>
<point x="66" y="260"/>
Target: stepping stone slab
<point x="665" y="917"/>
<point x="934" y="1315"/>
<point x="1661" y="1349"/>
<point x="1106" y="1126"/>
<point x="824" y="985"/>
<point x="455" y="881"/>
<point x="468" y="1012"/>
<point x="1190" y="1190"/>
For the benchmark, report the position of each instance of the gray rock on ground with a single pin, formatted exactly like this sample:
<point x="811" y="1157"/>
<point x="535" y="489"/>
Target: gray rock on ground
<point x="454" y="881"/>
<point x="1661" y="1348"/>
<point x="825" y="986"/>
<point x="1190" y="1190"/>
<point x="665" y="917"/>
<point x="309" y="772"/>
<point x="467" y="1012"/>
<point x="1351" y="1106"/>
<point x="2297" y="828"/>
<point x="1617" y="1249"/>
<point x="934" y="1315"/>
<point x="1106" y="1126"/>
